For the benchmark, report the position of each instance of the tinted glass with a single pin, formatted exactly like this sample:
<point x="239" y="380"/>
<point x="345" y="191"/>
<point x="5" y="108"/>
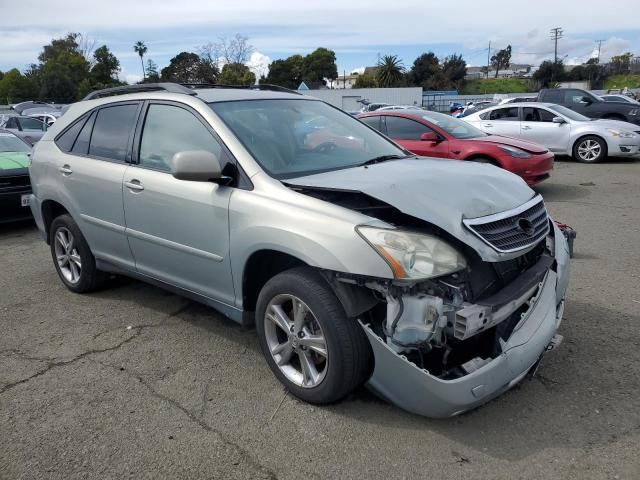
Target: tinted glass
<point x="453" y="126"/>
<point x="81" y="146"/>
<point x="168" y="130"/>
<point x="504" y="114"/>
<point x="65" y="141"/>
<point x="400" y="128"/>
<point x="373" y="122"/>
<point x="111" y="132"/>
<point x="530" y="114"/>
<point x="291" y="138"/>
<point x="11" y="143"/>
<point x="554" y="96"/>
<point x="12" y="123"/>
<point x="32" y="124"/>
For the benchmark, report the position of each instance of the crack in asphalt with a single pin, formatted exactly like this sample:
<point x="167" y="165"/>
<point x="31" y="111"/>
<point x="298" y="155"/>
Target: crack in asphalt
<point x="244" y="453"/>
<point x="53" y="364"/>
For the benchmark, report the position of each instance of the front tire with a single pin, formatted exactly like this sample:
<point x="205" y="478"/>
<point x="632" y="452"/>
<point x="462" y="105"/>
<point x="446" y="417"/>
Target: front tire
<point x="72" y="257"/>
<point x="590" y="149"/>
<point x="310" y="345"/>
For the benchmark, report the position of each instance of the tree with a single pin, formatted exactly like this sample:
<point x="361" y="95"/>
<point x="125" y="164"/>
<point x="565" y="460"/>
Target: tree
<point x="236" y="50"/>
<point x="320" y="64"/>
<point x="61" y="70"/>
<point x="454" y="69"/>
<point x="501" y="59"/>
<point x="621" y="63"/>
<point x="152" y="72"/>
<point x="287" y="73"/>
<point x="15" y="87"/>
<point x="183" y="68"/>
<point x="236" y="74"/>
<point x="426" y="69"/>
<point x="549" y="72"/>
<point x="140" y="48"/>
<point x="105" y="66"/>
<point x="366" y="80"/>
<point x="390" y="71"/>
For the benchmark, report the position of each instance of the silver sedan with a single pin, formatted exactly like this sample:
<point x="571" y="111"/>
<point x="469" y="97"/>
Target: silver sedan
<point x="561" y="130"/>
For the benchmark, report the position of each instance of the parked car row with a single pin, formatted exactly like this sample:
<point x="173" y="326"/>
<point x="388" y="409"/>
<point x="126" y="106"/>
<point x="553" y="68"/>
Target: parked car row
<point x="15" y="185"/>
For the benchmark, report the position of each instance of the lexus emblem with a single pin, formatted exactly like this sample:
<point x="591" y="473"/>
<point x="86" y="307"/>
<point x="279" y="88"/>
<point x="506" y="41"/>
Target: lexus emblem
<point x="525" y="226"/>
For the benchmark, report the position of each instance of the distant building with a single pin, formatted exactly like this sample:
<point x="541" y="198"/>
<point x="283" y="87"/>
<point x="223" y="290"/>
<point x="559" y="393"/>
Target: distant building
<point x="515" y="70"/>
<point x="344" y="81"/>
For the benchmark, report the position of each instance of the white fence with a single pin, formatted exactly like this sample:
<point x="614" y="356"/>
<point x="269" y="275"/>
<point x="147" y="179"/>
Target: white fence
<point x="347" y="99"/>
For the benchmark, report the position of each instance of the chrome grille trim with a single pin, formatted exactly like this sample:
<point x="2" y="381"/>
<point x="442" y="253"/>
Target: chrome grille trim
<point x="500" y="231"/>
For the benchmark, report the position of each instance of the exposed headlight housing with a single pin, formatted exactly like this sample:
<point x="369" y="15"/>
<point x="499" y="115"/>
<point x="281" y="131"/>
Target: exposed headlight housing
<point x="413" y="256"/>
<point x="514" y="151"/>
<point x="621" y="133"/>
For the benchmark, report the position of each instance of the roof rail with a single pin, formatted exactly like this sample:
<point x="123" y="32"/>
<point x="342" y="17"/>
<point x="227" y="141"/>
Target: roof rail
<point x="141" y="87"/>
<point x="260" y="86"/>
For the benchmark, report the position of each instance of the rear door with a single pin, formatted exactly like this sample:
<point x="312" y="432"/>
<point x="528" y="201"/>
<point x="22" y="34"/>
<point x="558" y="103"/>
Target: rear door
<point x="178" y="230"/>
<point x="90" y="170"/>
<point x="537" y="126"/>
<point x="503" y="121"/>
<point x="407" y="132"/>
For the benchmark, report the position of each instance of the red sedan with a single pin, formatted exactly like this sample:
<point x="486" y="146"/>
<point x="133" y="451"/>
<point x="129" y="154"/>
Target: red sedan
<point x="433" y="134"/>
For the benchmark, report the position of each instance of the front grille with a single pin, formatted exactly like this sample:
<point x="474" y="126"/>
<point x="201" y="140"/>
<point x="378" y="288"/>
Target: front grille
<point x="515" y="229"/>
<point x="14" y="183"/>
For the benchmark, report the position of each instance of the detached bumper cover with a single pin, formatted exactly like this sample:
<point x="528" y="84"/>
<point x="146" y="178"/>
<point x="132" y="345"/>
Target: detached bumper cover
<point x="415" y="390"/>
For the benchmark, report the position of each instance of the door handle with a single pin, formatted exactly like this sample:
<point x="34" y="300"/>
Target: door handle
<point x="525" y="127"/>
<point x="65" y="170"/>
<point x="487" y="124"/>
<point x="134" y="185"/>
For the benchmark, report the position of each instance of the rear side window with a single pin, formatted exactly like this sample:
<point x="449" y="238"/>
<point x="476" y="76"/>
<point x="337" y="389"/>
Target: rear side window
<point x="554" y="96"/>
<point x="404" y="129"/>
<point x="65" y="141"/>
<point x="112" y="130"/>
<point x="169" y="129"/>
<point x="505" y="114"/>
<point x="81" y="145"/>
<point x="373" y="122"/>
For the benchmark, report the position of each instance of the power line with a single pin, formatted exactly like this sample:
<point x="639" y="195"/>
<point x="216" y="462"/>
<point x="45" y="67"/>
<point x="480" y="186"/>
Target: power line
<point x="556" y="34"/>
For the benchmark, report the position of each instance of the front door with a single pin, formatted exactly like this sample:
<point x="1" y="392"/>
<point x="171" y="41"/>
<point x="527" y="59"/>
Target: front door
<point x="178" y="230"/>
<point x="407" y="133"/>
<point x="537" y="126"/>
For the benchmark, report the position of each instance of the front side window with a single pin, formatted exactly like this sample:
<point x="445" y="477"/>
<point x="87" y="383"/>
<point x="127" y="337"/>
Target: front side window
<point x="169" y="129"/>
<point x="505" y="114"/>
<point x="295" y="137"/>
<point x="400" y="128"/>
<point x="32" y="124"/>
<point x="111" y="132"/>
<point x="530" y="114"/>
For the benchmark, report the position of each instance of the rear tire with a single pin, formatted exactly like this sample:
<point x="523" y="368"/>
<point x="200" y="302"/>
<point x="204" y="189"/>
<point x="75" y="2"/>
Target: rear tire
<point x="72" y="257"/>
<point x="590" y="149"/>
<point x="320" y="340"/>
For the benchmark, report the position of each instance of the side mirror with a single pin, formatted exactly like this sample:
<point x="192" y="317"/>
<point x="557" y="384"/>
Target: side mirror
<point x="429" y="137"/>
<point x="196" y="166"/>
<point x="558" y="120"/>
<point x="586" y="100"/>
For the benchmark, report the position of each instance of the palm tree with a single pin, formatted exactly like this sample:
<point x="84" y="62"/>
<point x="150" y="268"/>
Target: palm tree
<point x="140" y="48"/>
<point x="390" y="69"/>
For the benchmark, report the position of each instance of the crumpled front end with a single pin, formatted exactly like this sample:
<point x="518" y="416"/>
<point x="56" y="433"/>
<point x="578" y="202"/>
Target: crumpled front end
<point x="479" y="350"/>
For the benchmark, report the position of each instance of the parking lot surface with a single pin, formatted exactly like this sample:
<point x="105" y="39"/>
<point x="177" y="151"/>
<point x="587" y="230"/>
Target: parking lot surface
<point x="136" y="382"/>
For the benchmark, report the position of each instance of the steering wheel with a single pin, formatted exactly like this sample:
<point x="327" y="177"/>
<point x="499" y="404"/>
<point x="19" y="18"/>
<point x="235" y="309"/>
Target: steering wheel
<point x="325" y="147"/>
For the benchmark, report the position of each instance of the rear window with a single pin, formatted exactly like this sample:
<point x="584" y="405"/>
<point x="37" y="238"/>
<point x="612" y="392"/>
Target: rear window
<point x="112" y="130"/>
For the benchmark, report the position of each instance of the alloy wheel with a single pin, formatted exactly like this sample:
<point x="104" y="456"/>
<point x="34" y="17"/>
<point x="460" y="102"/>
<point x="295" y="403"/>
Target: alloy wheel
<point x="67" y="255"/>
<point x="296" y="341"/>
<point x="589" y="150"/>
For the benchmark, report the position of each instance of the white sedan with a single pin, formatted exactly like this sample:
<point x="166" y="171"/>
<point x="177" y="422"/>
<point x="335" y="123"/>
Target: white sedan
<point x="561" y="130"/>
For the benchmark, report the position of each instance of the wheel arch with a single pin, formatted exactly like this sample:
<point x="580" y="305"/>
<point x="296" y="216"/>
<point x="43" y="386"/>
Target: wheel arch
<point x="583" y="136"/>
<point x="50" y="211"/>
<point x="474" y="157"/>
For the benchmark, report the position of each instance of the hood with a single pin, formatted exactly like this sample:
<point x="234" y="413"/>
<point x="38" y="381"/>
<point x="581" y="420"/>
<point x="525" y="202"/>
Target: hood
<point x="439" y="191"/>
<point x="514" y="142"/>
<point x="617" y="124"/>
<point x="14" y="160"/>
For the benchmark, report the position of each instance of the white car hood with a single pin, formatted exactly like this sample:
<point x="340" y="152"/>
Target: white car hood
<point x="439" y="191"/>
<point x="616" y="124"/>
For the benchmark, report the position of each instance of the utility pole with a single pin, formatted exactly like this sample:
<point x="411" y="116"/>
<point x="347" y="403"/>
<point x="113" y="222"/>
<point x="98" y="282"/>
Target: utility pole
<point x="488" y="57"/>
<point x="599" y="47"/>
<point x="556" y="34"/>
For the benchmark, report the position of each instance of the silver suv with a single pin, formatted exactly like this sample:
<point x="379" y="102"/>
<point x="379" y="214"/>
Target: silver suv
<point x="437" y="283"/>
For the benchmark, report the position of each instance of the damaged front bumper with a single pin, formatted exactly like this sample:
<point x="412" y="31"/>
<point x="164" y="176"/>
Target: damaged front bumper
<point x="404" y="384"/>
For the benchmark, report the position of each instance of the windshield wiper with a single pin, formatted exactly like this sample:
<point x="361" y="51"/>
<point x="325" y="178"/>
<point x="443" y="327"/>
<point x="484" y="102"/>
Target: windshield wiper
<point x="384" y="158"/>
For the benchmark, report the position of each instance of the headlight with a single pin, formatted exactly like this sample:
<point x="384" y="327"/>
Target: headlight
<point x="413" y="255"/>
<point x="621" y="133"/>
<point x="634" y="112"/>
<point x="514" y="152"/>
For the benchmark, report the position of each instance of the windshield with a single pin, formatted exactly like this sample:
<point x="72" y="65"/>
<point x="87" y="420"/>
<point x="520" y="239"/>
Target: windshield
<point x="453" y="126"/>
<point x="567" y="112"/>
<point x="11" y="143"/>
<point x="292" y="138"/>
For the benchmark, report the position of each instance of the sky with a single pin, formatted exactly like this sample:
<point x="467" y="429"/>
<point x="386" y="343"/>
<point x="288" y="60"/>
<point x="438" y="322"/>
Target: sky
<point x="357" y="30"/>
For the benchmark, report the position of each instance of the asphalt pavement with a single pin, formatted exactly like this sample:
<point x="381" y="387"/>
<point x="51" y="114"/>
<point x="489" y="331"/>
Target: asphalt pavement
<point x="135" y="382"/>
